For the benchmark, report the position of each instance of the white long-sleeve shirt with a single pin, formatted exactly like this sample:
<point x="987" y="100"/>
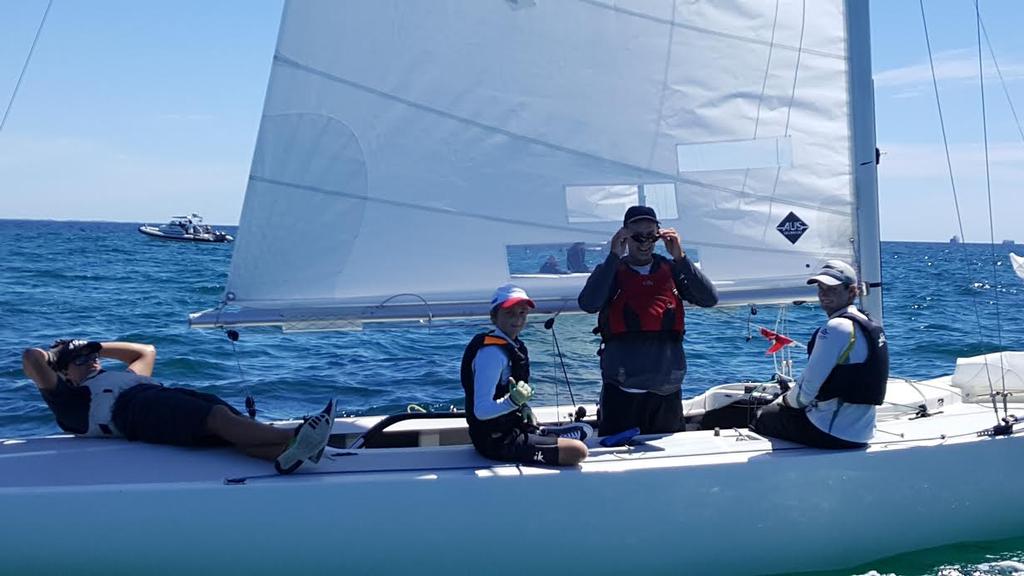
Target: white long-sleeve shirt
<point x="840" y="341"/>
<point x="491" y="367"/>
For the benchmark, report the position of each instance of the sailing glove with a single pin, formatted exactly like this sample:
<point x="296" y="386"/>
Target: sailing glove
<point x="529" y="419"/>
<point x="519" y="392"/>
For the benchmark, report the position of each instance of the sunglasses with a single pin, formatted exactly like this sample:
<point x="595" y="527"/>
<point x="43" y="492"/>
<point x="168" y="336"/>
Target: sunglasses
<point x="645" y="238"/>
<point x="85" y="359"/>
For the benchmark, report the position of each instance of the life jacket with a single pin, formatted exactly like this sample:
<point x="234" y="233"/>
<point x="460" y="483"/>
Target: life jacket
<point x="644" y="303"/>
<point x="863" y="382"/>
<point x="519" y="368"/>
<point x="104" y="388"/>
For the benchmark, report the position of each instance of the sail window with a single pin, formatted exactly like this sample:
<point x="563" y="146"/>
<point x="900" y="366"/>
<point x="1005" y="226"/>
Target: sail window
<point x="661" y="197"/>
<point x="558" y="259"/>
<point x="735" y="155"/>
<point x="568" y="258"/>
<point x="607" y="203"/>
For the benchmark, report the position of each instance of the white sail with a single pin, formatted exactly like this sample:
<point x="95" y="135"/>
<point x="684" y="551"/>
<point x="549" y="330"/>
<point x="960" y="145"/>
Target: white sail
<point x="415" y="154"/>
<point x="1018" y="264"/>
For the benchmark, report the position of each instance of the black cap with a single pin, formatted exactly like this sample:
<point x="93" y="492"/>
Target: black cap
<point x="639" y="213"/>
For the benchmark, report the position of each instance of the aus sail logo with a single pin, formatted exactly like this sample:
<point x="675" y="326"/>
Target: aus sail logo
<point x="792" y="227"/>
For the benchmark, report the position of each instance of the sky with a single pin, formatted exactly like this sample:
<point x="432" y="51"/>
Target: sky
<point x="137" y="111"/>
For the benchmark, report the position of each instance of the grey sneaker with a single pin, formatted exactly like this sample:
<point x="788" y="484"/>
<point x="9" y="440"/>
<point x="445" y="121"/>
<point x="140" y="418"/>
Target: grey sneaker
<point x="575" y="431"/>
<point x="310" y="440"/>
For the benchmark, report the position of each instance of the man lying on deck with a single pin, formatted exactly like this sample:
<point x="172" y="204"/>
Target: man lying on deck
<point x="90" y="401"/>
<point x="832" y="404"/>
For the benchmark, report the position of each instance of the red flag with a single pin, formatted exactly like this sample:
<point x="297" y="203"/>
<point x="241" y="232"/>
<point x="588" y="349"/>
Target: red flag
<point x="778" y="341"/>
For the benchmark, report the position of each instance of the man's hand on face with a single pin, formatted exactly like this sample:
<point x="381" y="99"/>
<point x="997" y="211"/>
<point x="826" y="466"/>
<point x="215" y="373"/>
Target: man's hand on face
<point x="618" y="242"/>
<point x="672" y="243"/>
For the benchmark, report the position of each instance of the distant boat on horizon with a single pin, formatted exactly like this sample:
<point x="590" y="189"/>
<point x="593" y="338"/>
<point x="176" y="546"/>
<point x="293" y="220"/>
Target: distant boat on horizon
<point x="955" y="239"/>
<point x="189" y="228"/>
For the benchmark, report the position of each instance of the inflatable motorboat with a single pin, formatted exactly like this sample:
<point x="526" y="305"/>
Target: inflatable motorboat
<point x="186" y="228"/>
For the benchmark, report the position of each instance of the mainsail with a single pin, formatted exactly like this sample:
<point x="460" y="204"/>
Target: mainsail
<point x="413" y="155"/>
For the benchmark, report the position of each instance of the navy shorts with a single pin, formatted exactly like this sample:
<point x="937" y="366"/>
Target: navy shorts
<point x="165" y="415"/>
<point x="519" y="446"/>
<point x="792" y="424"/>
<point x="651" y="413"/>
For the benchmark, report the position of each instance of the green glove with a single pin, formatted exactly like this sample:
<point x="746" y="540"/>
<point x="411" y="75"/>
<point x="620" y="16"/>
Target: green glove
<point x="529" y="418"/>
<point x="519" y="392"/>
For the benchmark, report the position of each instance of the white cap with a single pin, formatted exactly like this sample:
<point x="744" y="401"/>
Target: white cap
<point x="834" y="273"/>
<point x="509" y="295"/>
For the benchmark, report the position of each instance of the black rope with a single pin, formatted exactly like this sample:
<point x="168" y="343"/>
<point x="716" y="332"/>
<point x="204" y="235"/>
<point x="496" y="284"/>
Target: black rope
<point x="549" y="324"/>
<point x="250" y="400"/>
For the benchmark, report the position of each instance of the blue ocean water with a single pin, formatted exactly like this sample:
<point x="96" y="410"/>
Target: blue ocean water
<point x="106" y="281"/>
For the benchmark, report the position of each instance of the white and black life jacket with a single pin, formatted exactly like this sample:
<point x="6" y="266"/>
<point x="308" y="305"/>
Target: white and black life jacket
<point x="863" y="382"/>
<point x="104" y="388"/>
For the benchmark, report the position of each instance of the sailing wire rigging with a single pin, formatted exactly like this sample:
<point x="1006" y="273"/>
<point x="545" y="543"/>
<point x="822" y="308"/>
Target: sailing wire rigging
<point x="952" y="184"/>
<point x="24" y="67"/>
<point x="1002" y="81"/>
<point x="991" y="223"/>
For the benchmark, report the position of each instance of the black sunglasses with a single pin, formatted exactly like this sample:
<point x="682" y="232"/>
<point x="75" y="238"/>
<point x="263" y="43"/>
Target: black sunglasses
<point x="85" y="359"/>
<point x="645" y="238"/>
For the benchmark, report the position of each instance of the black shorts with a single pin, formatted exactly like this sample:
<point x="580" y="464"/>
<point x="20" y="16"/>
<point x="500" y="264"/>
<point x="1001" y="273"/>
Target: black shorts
<point x="651" y="413"/>
<point x="792" y="424"/>
<point x="164" y="415"/>
<point x="518" y="446"/>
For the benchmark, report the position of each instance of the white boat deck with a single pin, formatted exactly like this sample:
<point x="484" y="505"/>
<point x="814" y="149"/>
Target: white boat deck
<point x="675" y="500"/>
<point x="41" y="464"/>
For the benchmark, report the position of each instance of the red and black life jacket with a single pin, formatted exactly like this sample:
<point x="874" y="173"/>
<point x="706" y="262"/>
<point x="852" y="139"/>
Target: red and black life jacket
<point x="644" y="303"/>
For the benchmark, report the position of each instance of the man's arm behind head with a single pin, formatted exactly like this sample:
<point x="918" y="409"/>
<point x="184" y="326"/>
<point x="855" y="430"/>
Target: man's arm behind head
<point x="35" y="363"/>
<point x="140" y="358"/>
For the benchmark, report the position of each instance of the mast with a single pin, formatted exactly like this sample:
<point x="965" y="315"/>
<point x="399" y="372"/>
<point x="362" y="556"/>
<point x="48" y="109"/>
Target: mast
<point x="865" y="178"/>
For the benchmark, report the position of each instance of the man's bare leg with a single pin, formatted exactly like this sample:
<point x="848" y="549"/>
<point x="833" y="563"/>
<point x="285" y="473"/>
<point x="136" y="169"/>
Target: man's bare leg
<point x="254" y="438"/>
<point x="571" y="452"/>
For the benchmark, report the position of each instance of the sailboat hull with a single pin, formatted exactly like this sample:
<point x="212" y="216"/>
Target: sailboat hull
<point x="701" y="502"/>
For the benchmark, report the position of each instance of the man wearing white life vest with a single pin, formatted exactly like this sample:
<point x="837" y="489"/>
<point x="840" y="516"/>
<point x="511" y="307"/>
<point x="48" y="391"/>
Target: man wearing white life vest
<point x="832" y="404"/>
<point x="90" y="401"/>
<point x="639" y="296"/>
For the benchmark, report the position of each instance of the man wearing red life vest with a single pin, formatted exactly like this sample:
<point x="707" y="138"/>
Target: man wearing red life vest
<point x="639" y="295"/>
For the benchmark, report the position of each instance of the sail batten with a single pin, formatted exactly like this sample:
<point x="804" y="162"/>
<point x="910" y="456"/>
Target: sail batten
<point x="710" y="32"/>
<point x="443" y="148"/>
<point x="534" y="224"/>
<point x="648" y="172"/>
